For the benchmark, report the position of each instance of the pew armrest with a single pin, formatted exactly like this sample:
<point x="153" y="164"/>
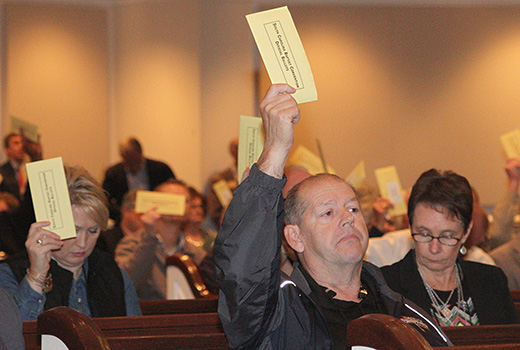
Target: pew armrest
<point x="183" y="264"/>
<point x="384" y="332"/>
<point x="75" y="329"/>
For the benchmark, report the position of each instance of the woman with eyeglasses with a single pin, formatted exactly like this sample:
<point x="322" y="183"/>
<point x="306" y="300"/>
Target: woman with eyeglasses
<point x="455" y="292"/>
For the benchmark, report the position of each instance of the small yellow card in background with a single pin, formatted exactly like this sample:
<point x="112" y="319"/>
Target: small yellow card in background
<point x="250" y="143"/>
<point x="29" y="130"/>
<point x="223" y="192"/>
<point x="390" y="187"/>
<point x="310" y="161"/>
<point x="511" y="143"/>
<point x="50" y="196"/>
<point x="282" y="51"/>
<point x="358" y="175"/>
<point x="166" y="203"/>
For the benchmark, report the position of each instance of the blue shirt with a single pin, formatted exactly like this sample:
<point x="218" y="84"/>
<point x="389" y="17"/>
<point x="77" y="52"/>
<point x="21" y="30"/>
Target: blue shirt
<point x="31" y="303"/>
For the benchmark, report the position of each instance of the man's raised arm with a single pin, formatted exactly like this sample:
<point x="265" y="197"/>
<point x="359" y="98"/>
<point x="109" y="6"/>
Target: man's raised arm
<point x="280" y="113"/>
<point x="247" y="248"/>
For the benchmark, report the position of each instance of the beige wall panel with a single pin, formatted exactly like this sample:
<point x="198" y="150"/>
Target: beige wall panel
<point x="227" y="81"/>
<point x="56" y="78"/>
<point x="157" y="82"/>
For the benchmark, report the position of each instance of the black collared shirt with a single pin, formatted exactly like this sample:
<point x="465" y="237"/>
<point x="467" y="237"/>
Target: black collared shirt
<point x="338" y="313"/>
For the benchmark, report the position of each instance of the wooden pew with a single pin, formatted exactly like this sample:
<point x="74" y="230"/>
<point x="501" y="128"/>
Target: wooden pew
<point x="187" y="306"/>
<point x="186" y="270"/>
<point x="121" y="332"/>
<point x="384" y="332"/>
<point x="482" y="335"/>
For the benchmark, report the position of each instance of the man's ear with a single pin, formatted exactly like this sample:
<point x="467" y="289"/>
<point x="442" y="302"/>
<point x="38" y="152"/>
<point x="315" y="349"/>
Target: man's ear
<point x="293" y="236"/>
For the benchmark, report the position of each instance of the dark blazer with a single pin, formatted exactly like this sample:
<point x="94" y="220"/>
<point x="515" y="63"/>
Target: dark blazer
<point x="116" y="185"/>
<point x="9" y="181"/>
<point x="485" y="284"/>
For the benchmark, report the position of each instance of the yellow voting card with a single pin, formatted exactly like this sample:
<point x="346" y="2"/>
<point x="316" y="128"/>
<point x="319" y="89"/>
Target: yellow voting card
<point x="358" y="175"/>
<point x="29" y="130"/>
<point x="223" y="192"/>
<point x="166" y="203"/>
<point x="511" y="143"/>
<point x="250" y="143"/>
<point x="390" y="187"/>
<point x="282" y="51"/>
<point x="310" y="161"/>
<point x="50" y="196"/>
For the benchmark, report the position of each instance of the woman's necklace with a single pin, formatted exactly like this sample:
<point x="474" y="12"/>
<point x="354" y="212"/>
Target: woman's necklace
<point x="440" y="305"/>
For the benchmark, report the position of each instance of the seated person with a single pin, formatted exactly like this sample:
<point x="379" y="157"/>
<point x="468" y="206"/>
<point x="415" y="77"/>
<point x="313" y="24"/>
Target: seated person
<point x="11" y="335"/>
<point x="198" y="241"/>
<point x="332" y="286"/>
<point x="143" y="255"/>
<point x="71" y="272"/>
<point x="129" y="224"/>
<point x="393" y="246"/>
<point x="456" y="292"/>
<point x="501" y="229"/>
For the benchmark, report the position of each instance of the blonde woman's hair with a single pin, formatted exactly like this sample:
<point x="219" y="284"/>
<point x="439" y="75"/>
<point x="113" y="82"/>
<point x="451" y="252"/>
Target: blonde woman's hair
<point x="87" y="193"/>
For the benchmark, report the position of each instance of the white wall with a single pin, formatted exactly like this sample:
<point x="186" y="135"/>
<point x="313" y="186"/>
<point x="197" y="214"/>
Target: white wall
<point x="158" y="93"/>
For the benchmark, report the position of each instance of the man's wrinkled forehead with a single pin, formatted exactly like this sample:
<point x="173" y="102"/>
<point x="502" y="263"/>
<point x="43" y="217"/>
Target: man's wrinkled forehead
<point x="310" y="187"/>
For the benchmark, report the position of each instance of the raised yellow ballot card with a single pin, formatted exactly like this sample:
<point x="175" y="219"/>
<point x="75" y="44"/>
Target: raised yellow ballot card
<point x="282" y="51"/>
<point x="223" y="192"/>
<point x="50" y="196"/>
<point x="390" y="187"/>
<point x="166" y="203"/>
<point x="251" y="140"/>
<point x="358" y="175"/>
<point x="511" y="143"/>
<point x="310" y="161"/>
<point x="29" y="130"/>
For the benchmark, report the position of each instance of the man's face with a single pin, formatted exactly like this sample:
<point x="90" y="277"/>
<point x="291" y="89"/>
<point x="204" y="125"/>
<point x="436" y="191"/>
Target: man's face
<point x="175" y="189"/>
<point x="14" y="150"/>
<point x="332" y="227"/>
<point x="133" y="160"/>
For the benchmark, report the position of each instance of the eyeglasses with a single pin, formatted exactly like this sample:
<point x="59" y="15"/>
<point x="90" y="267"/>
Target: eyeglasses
<point x="425" y="238"/>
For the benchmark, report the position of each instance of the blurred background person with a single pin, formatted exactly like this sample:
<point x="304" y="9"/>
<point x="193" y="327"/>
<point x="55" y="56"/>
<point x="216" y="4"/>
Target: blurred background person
<point x="129" y="224"/>
<point x="229" y="175"/>
<point x="198" y="241"/>
<point x="134" y="172"/>
<point x="143" y="254"/>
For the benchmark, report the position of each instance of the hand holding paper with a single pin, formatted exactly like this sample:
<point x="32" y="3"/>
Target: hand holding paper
<point x="280" y="113"/>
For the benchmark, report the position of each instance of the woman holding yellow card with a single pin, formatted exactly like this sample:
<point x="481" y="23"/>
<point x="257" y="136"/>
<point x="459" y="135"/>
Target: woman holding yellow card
<point x="71" y="272"/>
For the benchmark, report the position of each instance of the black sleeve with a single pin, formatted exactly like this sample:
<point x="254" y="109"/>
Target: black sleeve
<point x="247" y="257"/>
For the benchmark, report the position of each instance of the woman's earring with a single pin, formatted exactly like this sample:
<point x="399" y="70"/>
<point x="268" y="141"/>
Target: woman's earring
<point x="463" y="250"/>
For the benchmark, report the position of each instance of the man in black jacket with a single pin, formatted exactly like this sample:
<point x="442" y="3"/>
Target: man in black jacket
<point x="260" y="308"/>
<point x="134" y="172"/>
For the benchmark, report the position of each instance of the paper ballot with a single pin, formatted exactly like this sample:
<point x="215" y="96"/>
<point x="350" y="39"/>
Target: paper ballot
<point x="50" y="196"/>
<point x="511" y="143"/>
<point x="166" y="203"/>
<point x="250" y="143"/>
<point x="358" y="175"/>
<point x="282" y="51"/>
<point x="390" y="187"/>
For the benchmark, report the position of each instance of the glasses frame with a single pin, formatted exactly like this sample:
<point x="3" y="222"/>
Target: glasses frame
<point x="437" y="238"/>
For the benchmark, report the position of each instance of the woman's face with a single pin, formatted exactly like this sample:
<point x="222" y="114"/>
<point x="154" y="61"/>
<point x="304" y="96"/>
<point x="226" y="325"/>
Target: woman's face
<point x="434" y="256"/>
<point x="74" y="251"/>
<point x="196" y="210"/>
